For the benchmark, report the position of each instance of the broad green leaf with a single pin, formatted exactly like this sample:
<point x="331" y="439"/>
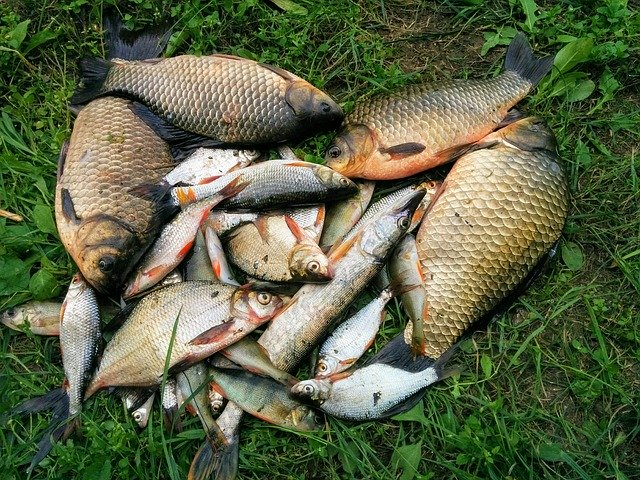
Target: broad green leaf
<point x="291" y="7"/>
<point x="38" y="39"/>
<point x="550" y="452"/>
<point x="99" y="469"/>
<point x="572" y="54"/>
<point x="572" y="256"/>
<point x="407" y="458"/>
<point x="43" y="285"/>
<point x="416" y="414"/>
<point x="529" y="7"/>
<point x="486" y="365"/>
<point x="581" y="91"/>
<point x="16" y="36"/>
<point x="43" y="219"/>
<point x="14" y="275"/>
<point x="566" y="82"/>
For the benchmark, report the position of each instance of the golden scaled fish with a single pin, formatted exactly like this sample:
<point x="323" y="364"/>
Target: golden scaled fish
<point x="420" y="127"/>
<point x="229" y="99"/>
<point x="498" y="212"/>
<point x="102" y="224"/>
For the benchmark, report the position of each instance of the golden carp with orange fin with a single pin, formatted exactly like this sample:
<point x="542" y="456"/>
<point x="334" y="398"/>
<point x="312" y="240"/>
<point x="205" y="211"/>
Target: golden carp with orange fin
<point x="420" y="127"/>
<point x="498" y="212"/>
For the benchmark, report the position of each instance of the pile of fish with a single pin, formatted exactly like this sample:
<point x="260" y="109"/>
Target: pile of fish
<point x="164" y="205"/>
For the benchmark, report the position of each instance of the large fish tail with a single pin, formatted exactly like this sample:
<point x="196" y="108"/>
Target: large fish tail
<point x="128" y="45"/>
<point x="94" y="73"/>
<point x="121" y="44"/>
<point x="521" y="60"/>
<point x="216" y="458"/>
<point x="61" y="426"/>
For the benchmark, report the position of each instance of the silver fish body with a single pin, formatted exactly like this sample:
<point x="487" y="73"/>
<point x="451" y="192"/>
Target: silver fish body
<point x="41" y="318"/>
<point x="352" y="337"/>
<point x="207" y="164"/>
<point x="206" y="317"/>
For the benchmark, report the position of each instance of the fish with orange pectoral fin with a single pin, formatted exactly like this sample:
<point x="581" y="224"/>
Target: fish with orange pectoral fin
<point x="175" y="241"/>
<point x="79" y="341"/>
<point x="180" y="324"/>
<point x="421" y="126"/>
<point x="274" y="248"/>
<point x="354" y="336"/>
<point x="502" y="208"/>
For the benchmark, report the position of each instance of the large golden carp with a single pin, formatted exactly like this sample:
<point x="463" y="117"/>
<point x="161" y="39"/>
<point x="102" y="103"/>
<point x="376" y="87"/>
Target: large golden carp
<point x="420" y="127"/>
<point x="497" y="214"/>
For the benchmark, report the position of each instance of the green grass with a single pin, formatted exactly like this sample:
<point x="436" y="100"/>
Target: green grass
<point x="551" y="389"/>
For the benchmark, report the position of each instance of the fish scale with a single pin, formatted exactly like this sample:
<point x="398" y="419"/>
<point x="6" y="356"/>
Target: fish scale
<point x="110" y="150"/>
<point x="231" y="99"/>
<point x="501" y="209"/>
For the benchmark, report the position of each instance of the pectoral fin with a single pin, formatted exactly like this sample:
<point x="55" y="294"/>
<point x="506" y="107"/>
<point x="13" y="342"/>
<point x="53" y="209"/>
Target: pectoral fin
<point x="403" y="150"/>
<point x="214" y="334"/>
<point x="68" y="209"/>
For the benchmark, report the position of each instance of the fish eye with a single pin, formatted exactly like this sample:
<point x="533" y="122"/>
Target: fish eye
<point x="106" y="264"/>
<point x="322" y="367"/>
<point x="11" y="312"/>
<point x="404" y="222"/>
<point x="345" y="182"/>
<point x="334" y="151"/>
<point x="137" y="416"/>
<point x="308" y="389"/>
<point x="313" y="266"/>
<point x="264" y="298"/>
<point x="325" y="107"/>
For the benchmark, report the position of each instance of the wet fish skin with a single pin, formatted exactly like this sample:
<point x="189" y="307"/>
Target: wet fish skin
<point x="352" y="337"/>
<point x="41" y="318"/>
<point x="175" y="241"/>
<point x="420" y="127"/>
<point x="405" y="269"/>
<point x="365" y="393"/>
<point x="218" y="263"/>
<point x="274" y="248"/>
<point x="210" y="317"/>
<point x="194" y="385"/>
<point x="264" y="398"/>
<point x="272" y="184"/>
<point x="498" y="212"/>
<point x="207" y="164"/>
<point x="430" y="187"/>
<point x="299" y="327"/>
<point x="103" y="226"/>
<point x="342" y="216"/>
<point x="141" y="414"/>
<point x="248" y="102"/>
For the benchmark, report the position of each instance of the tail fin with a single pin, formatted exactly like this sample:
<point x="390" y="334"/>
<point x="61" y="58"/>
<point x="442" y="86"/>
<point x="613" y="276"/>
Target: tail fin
<point x="60" y="427"/>
<point x="123" y="45"/>
<point x="520" y="59"/>
<point x="128" y="45"/>
<point x="217" y="458"/>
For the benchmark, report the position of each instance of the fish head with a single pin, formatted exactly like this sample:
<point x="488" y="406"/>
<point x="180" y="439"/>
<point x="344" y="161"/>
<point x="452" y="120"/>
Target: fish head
<point x="307" y="263"/>
<point x="312" y="105"/>
<point x="303" y="418"/>
<point x="247" y="156"/>
<point x="530" y="133"/>
<point x="326" y="366"/>
<point x="256" y="306"/>
<point x="216" y="401"/>
<point x="315" y="389"/>
<point x="351" y="150"/>
<point x="105" y="251"/>
<point x="335" y="181"/>
<point x="390" y="226"/>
